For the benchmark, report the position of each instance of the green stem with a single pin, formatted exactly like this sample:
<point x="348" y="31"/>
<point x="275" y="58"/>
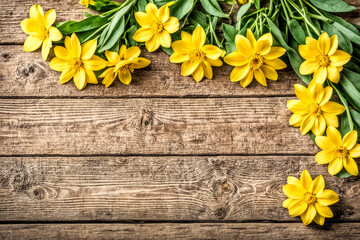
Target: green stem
<point x="212" y="31"/>
<point x="344" y="102"/>
<point x="232" y="7"/>
<point x="96" y="32"/>
<point x="187" y="15"/>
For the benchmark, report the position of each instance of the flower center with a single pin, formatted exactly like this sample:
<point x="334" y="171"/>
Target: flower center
<point x="309" y="198"/>
<point x="75" y="63"/>
<point x="256" y="61"/>
<point x="314" y="109"/>
<point x="341" y="152"/>
<point x="127" y="68"/>
<point x="323" y="60"/>
<point x="196" y="55"/>
<point x="157" y="26"/>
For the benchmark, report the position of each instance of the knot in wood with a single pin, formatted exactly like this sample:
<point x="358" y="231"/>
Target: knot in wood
<point x="19" y="180"/>
<point x="145" y="120"/>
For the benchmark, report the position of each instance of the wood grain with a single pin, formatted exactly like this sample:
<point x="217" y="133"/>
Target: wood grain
<point x="196" y="231"/>
<point x="149" y="126"/>
<point x="155" y="188"/>
<point x="27" y="75"/>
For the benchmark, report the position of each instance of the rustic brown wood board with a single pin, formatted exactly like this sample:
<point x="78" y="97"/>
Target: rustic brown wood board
<point x="163" y="158"/>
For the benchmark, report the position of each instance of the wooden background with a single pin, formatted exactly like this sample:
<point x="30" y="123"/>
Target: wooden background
<point x="163" y="158"/>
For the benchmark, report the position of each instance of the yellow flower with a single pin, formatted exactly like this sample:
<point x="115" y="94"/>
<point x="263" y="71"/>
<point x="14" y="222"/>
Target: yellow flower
<point x="255" y="58"/>
<point x="322" y="58"/>
<point x="156" y="27"/>
<point x="123" y="64"/>
<point x="308" y="199"/>
<point x="338" y="152"/>
<point x="86" y="3"/>
<point x="39" y="27"/>
<point x="314" y="111"/>
<point x="77" y="61"/>
<point x="242" y="2"/>
<point x="197" y="58"/>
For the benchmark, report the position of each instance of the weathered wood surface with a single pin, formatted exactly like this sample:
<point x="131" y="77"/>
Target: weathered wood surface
<point x="195" y="231"/>
<point x="149" y="126"/>
<point x="27" y="75"/>
<point x="155" y="188"/>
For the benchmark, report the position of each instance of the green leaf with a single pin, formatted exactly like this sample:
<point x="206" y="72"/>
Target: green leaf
<point x="229" y="32"/>
<point x="86" y="24"/>
<point x="356" y="119"/>
<point x="353" y="77"/>
<point x="344" y="124"/>
<point x="294" y="57"/>
<point x="141" y="4"/>
<point x="169" y="51"/>
<point x="212" y="7"/>
<point x="351" y="92"/>
<point x="348" y="33"/>
<point x="312" y="136"/>
<point x="343" y="174"/>
<point x="333" y="5"/>
<point x="181" y="7"/>
<point x="198" y="18"/>
<point x="342" y="22"/>
<point x="248" y="23"/>
<point x="243" y="9"/>
<point x="64" y="27"/>
<point x="257" y="4"/>
<point x="297" y="31"/>
<point x="114" y="36"/>
<point x="352" y="66"/>
<point x="344" y="42"/>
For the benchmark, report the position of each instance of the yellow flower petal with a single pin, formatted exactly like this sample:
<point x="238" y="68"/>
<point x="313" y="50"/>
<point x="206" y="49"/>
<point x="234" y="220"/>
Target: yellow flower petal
<point x="323" y="210"/>
<point x="181" y="46"/>
<point x="247" y="80"/>
<point x="67" y="44"/>
<point x="243" y="45"/>
<point x="238" y="73"/>
<point x="308" y="216"/>
<point x="335" y="166"/>
<point x="54" y="34"/>
<point x="324" y="43"/>
<point x="333" y="108"/>
<point x="308" y="67"/>
<point x="90" y="76"/>
<point x="327" y="197"/>
<point x="269" y="37"/>
<point x="303" y="94"/>
<point x="312" y="43"/>
<point x="140" y="63"/>
<point x="308" y="53"/>
<point x="143" y="34"/>
<point x="351" y="166"/>
<point x="188" y="67"/>
<point x="37" y="14"/>
<point x="331" y="119"/>
<point x="165" y="39"/>
<point x="260" y="77"/>
<point x="62" y="53"/>
<point x="152" y="10"/>
<point x="143" y="19"/>
<point x="250" y="36"/>
<point x="307" y="124"/>
<point x="277" y="64"/>
<point x="320" y="74"/>
<point x="355" y="151"/>
<point x="163" y="14"/>
<point x="297" y="107"/>
<point x="75" y="48"/>
<point x="109" y="77"/>
<point x="198" y="74"/>
<point x="207" y="69"/>
<point x="186" y="37"/>
<point x="297" y="208"/>
<point x="317" y="92"/>
<point x="339" y="58"/>
<point x="293" y="191"/>
<point x="106" y="72"/>
<point x="293" y="180"/>
<point x="324" y="157"/>
<point x="306" y="180"/>
<point x="269" y="72"/>
<point x="30" y="26"/>
<point x="122" y="51"/>
<point x="153" y="44"/>
<point x="328" y="91"/>
<point x="47" y="45"/>
<point x="288" y="202"/>
<point x="324" y="143"/>
<point x="319" y="126"/>
<point x="95" y="63"/>
<point x="334" y="43"/>
<point x="274" y="53"/>
<point x="317" y="185"/>
<point x="334" y="136"/>
<point x="350" y="139"/>
<point x="333" y="74"/>
<point x="198" y="37"/>
<point x="125" y="77"/>
<point x="112" y="57"/>
<point x="295" y="120"/>
<point x="319" y="219"/>
<point x="131" y="53"/>
<point x="32" y="43"/>
<point x="88" y="49"/>
<point x="211" y="51"/>
<point x="67" y="75"/>
<point x="58" y="64"/>
<point x="178" y="57"/>
<point x="236" y="59"/>
<point x="49" y="18"/>
<point x="80" y="78"/>
<point x="215" y="63"/>
<point x="263" y="47"/>
<point x="171" y="25"/>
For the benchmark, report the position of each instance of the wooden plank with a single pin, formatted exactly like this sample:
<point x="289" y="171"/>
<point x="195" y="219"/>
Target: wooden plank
<point x="155" y="188"/>
<point x="192" y="231"/>
<point x="13" y="12"/>
<point x="27" y="75"/>
<point x="149" y="126"/>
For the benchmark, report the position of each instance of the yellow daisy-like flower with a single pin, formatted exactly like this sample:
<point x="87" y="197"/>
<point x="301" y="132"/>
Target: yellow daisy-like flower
<point x="39" y="27"/>
<point x="308" y="199"/>
<point x="255" y="58"/>
<point x="322" y="58"/>
<point x="338" y="152"/>
<point x="197" y="58"/>
<point x="77" y="61"/>
<point x="242" y="2"/>
<point x="86" y="3"/>
<point x="313" y="111"/>
<point x="156" y="27"/>
<point x="123" y="64"/>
